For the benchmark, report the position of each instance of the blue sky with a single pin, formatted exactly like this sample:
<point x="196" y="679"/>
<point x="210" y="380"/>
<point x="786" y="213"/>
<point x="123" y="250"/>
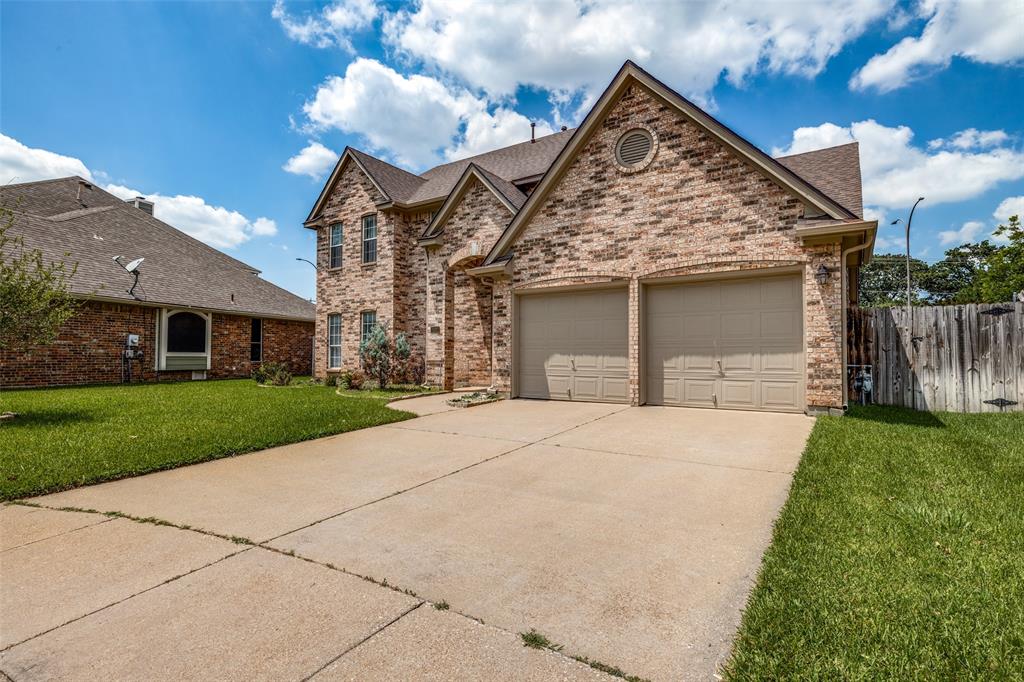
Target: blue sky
<point x="230" y="114"/>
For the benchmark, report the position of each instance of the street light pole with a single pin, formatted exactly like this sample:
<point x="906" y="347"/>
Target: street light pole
<point x="909" y="221"/>
<point x="308" y="261"/>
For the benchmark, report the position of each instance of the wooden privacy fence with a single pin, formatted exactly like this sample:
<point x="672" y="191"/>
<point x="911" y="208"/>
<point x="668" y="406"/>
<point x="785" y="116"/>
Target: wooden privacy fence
<point x="957" y="358"/>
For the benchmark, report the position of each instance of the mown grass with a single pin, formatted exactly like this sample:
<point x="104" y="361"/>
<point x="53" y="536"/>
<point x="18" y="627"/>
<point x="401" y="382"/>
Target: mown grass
<point x="69" y="437"/>
<point x="898" y="556"/>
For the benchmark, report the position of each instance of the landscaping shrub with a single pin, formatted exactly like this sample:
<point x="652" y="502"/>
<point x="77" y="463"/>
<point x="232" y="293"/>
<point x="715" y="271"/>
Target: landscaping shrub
<point x="351" y="379"/>
<point x="275" y="373"/>
<point x="384" y="358"/>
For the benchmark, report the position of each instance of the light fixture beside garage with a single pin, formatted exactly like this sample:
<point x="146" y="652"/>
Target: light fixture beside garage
<point x="821" y="274"/>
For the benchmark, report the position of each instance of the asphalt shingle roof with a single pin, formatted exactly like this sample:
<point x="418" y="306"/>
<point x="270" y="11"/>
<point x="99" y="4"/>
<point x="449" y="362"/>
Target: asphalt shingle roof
<point x="178" y="271"/>
<point x="834" y="171"/>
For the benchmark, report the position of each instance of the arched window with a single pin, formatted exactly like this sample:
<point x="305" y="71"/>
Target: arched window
<point x="186" y="333"/>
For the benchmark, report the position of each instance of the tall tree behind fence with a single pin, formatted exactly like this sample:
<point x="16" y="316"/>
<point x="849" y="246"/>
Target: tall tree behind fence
<point x="957" y="358"/>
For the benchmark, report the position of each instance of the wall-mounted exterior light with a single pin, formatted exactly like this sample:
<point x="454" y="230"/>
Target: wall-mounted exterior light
<point x="821" y="274"/>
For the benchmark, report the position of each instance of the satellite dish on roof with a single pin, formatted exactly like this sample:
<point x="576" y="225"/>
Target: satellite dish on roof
<point x="134" y="264"/>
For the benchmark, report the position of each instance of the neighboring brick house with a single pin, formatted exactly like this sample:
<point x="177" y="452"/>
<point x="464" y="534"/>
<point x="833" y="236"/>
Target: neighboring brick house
<point x="650" y="256"/>
<point x="196" y="313"/>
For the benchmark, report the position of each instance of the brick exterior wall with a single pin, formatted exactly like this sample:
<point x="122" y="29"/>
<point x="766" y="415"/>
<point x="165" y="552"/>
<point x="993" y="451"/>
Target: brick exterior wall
<point x="393" y="286"/>
<point x="463" y="336"/>
<point x="88" y="349"/>
<point x="697" y="208"/>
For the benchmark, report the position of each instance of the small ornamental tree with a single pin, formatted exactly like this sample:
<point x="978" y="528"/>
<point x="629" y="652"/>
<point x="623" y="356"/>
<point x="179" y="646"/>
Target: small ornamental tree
<point x="35" y="294"/>
<point x="383" y="357"/>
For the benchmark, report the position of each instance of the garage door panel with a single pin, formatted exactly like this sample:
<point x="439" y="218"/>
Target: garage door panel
<point x="780" y="324"/>
<point x="697" y="391"/>
<point x="573" y="346"/>
<point x="781" y="358"/>
<point x="753" y="327"/>
<point x="699" y="359"/>
<point x="781" y="292"/>
<point x="739" y="325"/>
<point x="781" y="395"/>
<point x="699" y="326"/>
<point x="740" y="359"/>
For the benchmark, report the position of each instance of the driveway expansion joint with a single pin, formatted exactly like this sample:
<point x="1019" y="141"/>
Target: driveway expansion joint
<point x="124" y="599"/>
<point x="664" y="459"/>
<point x="364" y="640"/>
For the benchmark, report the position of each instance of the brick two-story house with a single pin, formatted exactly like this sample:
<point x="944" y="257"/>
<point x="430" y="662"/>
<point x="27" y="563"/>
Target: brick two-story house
<point x="649" y="256"/>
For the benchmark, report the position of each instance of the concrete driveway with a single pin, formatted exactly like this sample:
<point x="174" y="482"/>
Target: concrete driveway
<point x="630" y="536"/>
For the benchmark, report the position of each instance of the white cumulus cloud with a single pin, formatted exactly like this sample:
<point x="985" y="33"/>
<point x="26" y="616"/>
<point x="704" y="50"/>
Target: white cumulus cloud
<point x="983" y="31"/>
<point x="314" y="160"/>
<point x="896" y="172"/>
<point x="967" y="233"/>
<point x="217" y="226"/>
<point x="332" y="26"/>
<point x="1009" y="206"/>
<point x="568" y="46"/>
<point x="415" y="120"/>
<point x="19" y="163"/>
<point x="972" y="138"/>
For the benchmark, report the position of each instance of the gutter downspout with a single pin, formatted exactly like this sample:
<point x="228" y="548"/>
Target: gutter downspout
<point x="845" y="304"/>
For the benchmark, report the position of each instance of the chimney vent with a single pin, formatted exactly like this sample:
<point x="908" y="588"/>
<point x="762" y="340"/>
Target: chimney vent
<point x="533" y="132"/>
<point x="142" y="203"/>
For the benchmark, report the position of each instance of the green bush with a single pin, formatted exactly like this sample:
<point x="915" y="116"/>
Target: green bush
<point x="384" y="359"/>
<point x="275" y="373"/>
<point x="351" y="379"/>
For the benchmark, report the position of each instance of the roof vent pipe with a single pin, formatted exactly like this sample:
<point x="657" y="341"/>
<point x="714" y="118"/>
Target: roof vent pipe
<point x="564" y="128"/>
<point x="533" y="132"/>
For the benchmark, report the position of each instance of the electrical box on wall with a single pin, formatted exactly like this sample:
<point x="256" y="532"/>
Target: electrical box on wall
<point x="132" y="351"/>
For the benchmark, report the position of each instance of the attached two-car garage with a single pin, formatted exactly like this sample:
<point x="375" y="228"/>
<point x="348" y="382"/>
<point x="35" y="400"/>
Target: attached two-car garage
<point x="733" y="343"/>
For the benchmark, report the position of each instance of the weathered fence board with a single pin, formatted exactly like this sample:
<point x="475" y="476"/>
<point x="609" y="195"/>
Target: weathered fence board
<point x="942" y="358"/>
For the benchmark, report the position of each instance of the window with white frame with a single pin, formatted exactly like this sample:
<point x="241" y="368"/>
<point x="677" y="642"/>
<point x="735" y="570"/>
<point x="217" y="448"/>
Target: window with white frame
<point x="184" y="338"/>
<point x="334" y="341"/>
<point x="367" y="323"/>
<point x="335" y="245"/>
<point x="370" y="238"/>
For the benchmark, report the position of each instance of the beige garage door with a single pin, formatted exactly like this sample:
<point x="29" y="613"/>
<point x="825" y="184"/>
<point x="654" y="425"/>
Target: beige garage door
<point x="734" y="344"/>
<point x="573" y="346"/>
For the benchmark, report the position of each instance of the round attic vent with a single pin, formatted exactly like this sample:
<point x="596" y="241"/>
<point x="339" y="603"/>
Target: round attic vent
<point x="634" y="148"/>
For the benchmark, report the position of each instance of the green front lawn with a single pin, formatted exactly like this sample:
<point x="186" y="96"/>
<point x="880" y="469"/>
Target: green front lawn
<point x="68" y="437"/>
<point x="899" y="554"/>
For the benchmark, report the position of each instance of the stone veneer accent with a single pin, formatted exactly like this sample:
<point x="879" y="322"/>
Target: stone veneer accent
<point x="698" y="208"/>
<point x="88" y="348"/>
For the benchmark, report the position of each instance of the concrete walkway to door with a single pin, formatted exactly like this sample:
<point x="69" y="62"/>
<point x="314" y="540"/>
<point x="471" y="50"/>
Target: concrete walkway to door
<point x="630" y="536"/>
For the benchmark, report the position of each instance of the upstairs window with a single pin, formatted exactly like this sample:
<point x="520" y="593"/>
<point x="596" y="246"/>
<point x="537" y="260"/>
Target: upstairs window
<point x="370" y="238"/>
<point x="369" y="321"/>
<point x="336" y="234"/>
<point x="333" y="341"/>
<point x="256" y="340"/>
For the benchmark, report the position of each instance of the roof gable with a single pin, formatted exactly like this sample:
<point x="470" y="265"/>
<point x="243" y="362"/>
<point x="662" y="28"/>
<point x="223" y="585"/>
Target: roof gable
<point x="393" y="183"/>
<point x="630" y="74"/>
<point x="507" y="193"/>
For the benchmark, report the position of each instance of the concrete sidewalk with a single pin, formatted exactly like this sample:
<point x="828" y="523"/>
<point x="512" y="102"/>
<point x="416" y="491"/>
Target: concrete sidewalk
<point x="629" y="535"/>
